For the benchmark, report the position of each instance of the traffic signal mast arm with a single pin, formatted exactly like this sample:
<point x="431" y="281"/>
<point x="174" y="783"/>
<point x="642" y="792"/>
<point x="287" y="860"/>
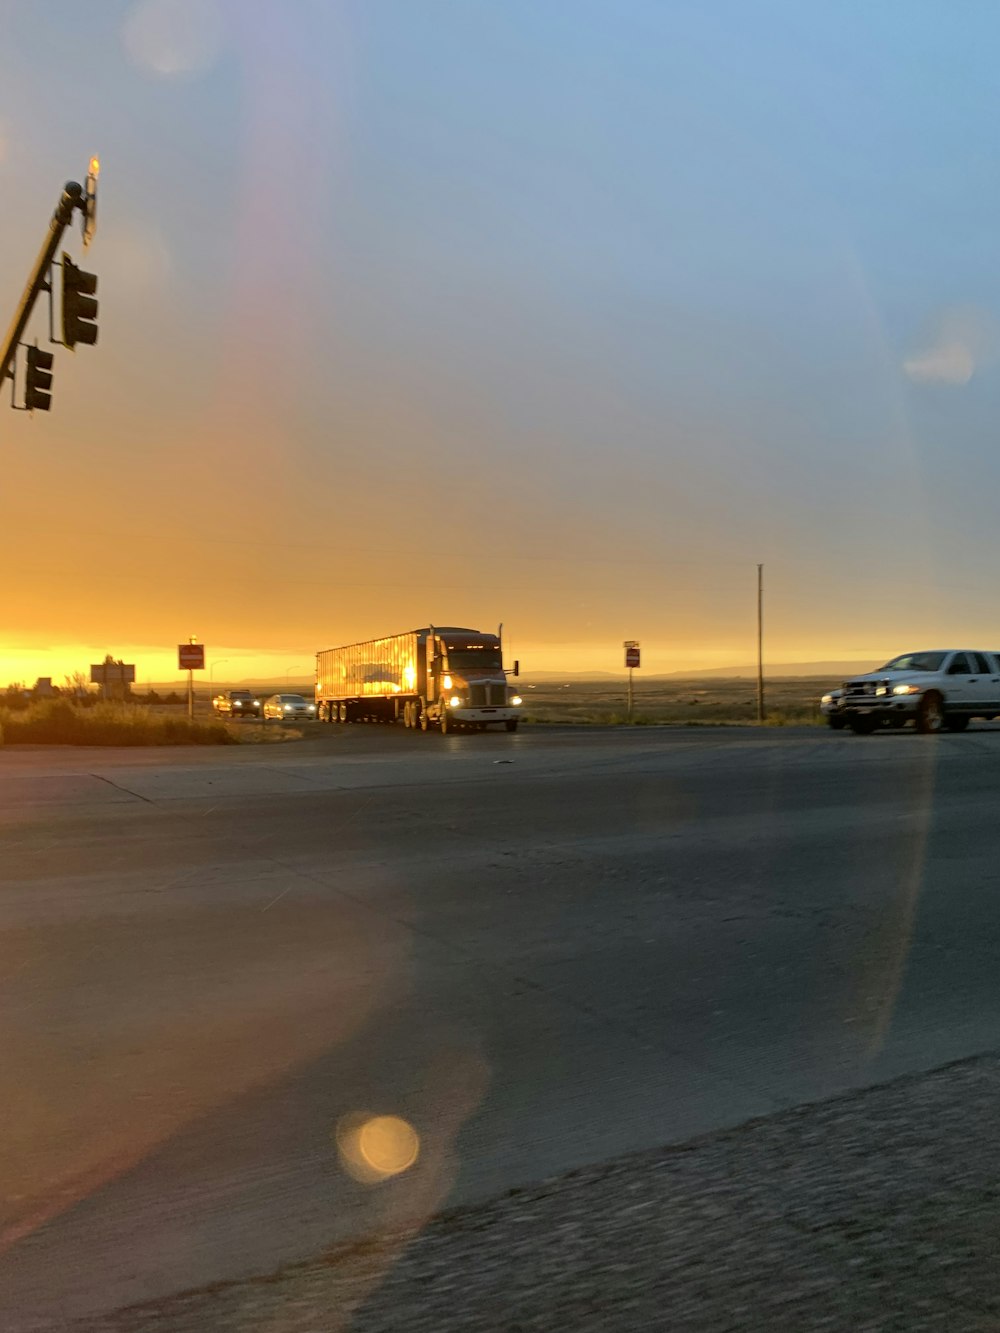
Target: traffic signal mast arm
<point x="72" y="198"/>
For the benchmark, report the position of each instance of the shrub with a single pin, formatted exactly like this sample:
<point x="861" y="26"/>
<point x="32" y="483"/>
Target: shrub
<point x="59" y="722"/>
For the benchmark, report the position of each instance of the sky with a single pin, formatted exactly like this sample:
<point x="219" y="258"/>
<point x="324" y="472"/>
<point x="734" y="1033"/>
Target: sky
<point x="560" y="313"/>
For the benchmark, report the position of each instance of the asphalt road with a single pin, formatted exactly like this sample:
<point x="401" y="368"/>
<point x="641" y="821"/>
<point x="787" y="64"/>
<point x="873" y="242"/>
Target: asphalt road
<point x="539" y="951"/>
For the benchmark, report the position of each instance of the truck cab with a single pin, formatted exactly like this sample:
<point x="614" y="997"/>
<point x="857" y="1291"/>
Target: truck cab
<point x="467" y="685"/>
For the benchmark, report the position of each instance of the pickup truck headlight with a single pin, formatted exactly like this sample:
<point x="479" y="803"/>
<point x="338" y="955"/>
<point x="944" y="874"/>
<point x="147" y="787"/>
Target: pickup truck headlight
<point x="827" y="699"/>
<point x="906" y="689"/>
<point x="455" y="701"/>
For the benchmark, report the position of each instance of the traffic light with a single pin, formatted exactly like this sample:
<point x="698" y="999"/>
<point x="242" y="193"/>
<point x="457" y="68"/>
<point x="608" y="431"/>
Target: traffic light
<point x="38" y="381"/>
<point x="79" y="305"/>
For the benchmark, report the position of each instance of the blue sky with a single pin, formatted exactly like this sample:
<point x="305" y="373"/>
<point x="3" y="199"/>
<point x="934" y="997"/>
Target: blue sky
<point x="563" y="313"/>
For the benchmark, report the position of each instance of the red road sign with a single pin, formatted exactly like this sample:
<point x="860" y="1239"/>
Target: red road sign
<point x="631" y="657"/>
<point x="191" y="656"/>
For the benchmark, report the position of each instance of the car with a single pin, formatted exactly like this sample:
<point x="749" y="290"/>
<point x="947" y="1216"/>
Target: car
<point x="237" y="703"/>
<point x="938" y="690"/>
<point x="830" y="706"/>
<point x="288" y="708"/>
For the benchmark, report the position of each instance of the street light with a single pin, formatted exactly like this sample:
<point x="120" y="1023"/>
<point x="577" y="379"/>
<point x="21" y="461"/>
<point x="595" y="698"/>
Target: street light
<point x="211" y="669"/>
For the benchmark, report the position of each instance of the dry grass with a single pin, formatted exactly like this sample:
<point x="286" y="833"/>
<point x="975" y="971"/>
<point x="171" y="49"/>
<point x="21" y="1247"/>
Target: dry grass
<point x="697" y="702"/>
<point x="59" y="722"/>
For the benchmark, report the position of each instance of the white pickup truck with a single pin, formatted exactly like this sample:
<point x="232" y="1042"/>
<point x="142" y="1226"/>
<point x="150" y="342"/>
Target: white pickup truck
<point x="939" y="690"/>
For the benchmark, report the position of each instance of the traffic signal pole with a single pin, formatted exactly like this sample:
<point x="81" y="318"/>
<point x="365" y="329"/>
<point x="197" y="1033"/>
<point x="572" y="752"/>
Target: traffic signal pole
<point x="71" y="199"/>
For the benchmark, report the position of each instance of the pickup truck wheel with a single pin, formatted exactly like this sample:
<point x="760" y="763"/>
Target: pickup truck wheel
<point x="835" y="723"/>
<point x="956" y="723"/>
<point x="512" y="724"/>
<point x="863" y="725"/>
<point x="930" y="714"/>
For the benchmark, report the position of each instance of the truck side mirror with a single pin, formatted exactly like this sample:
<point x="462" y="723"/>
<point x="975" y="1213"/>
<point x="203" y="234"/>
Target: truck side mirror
<point x="517" y="667"/>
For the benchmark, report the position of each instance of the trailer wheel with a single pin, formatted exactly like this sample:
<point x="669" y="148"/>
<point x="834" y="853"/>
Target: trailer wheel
<point x="342" y="712"/>
<point x="444" y="722"/>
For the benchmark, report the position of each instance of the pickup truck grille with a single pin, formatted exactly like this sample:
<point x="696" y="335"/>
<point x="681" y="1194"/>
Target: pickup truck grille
<point x="854" y="689"/>
<point x="487" y="696"/>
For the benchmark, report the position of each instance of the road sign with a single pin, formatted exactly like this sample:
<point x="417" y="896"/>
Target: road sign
<point x="191" y="656"/>
<point x="632" y="657"/>
<point x="112" y="673"/>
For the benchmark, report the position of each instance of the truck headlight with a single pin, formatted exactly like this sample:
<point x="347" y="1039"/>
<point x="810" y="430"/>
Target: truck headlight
<point x="455" y="701"/>
<point x="827" y="699"/>
<point x="906" y="689"/>
<point x="516" y="699"/>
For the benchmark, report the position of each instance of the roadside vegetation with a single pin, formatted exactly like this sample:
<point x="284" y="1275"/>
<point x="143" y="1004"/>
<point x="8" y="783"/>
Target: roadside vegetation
<point x="60" y="722"/>
<point x="704" y="702"/>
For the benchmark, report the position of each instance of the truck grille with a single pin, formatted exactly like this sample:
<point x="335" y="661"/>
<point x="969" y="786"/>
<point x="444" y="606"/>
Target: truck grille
<point x="487" y="696"/>
<point x="861" y="688"/>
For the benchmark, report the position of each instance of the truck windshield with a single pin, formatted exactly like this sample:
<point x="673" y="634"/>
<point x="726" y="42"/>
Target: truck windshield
<point x="915" y="662"/>
<point x="471" y="659"/>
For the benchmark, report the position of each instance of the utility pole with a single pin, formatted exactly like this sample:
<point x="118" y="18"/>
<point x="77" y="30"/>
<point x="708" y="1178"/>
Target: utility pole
<point x="760" y="643"/>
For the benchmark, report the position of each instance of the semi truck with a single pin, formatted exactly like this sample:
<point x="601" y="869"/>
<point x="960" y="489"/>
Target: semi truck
<point x="448" y="679"/>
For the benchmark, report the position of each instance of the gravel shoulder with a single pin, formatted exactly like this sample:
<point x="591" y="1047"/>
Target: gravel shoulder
<point x="879" y="1210"/>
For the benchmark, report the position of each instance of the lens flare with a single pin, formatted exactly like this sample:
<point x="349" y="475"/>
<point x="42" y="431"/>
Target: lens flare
<point x="374" y="1148"/>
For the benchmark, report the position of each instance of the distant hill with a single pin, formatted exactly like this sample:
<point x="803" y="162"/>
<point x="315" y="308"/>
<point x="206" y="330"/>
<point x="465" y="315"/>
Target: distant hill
<point x="784" y="669"/>
<point x="833" y="669"/>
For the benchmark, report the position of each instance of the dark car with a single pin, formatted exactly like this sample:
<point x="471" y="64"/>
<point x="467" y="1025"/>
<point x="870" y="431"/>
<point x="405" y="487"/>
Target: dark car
<point x="237" y="703"/>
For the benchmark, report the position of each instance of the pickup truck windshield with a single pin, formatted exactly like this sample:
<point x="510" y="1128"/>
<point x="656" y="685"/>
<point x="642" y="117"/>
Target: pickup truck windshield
<point x="915" y="662"/>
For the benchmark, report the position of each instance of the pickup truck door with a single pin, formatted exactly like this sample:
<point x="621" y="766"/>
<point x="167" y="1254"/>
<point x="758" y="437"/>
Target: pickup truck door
<point x="987" y="686"/>
<point x="961" y="689"/>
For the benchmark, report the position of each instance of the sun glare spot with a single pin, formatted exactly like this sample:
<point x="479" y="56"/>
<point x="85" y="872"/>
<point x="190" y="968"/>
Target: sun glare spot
<point x="374" y="1148"/>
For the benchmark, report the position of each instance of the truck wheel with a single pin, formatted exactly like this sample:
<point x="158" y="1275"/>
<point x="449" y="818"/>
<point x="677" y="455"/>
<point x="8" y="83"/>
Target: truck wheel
<point x="863" y="725"/>
<point x="342" y="712"/>
<point x="445" y="728"/>
<point x="423" y="721"/>
<point x="956" y="722"/>
<point x="930" y="714"/>
<point x="511" y="725"/>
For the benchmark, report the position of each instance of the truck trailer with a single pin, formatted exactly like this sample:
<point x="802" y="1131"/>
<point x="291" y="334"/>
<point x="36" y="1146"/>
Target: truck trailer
<point x="448" y="678"/>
